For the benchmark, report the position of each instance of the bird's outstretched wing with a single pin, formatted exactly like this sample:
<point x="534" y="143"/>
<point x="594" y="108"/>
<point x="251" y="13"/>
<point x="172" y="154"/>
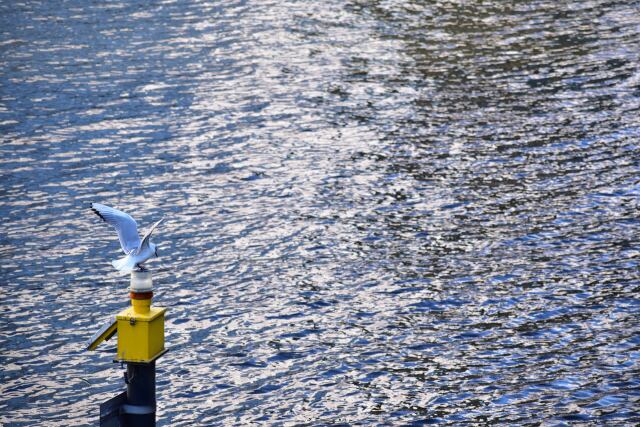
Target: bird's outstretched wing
<point x="145" y="240"/>
<point x="123" y="223"/>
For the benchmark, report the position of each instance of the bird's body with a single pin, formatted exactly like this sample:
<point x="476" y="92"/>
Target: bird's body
<point x="128" y="263"/>
<point x="137" y="251"/>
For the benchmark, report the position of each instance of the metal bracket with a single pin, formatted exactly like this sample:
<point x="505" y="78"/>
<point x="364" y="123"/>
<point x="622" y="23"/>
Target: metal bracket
<point x="110" y="411"/>
<point x="156" y="357"/>
<point x="136" y="409"/>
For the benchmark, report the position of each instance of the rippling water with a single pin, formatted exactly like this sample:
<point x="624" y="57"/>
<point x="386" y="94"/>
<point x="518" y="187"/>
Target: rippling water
<point x="377" y="212"/>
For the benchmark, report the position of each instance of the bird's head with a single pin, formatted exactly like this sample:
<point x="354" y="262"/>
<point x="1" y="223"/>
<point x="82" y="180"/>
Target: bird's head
<point x="154" y="248"/>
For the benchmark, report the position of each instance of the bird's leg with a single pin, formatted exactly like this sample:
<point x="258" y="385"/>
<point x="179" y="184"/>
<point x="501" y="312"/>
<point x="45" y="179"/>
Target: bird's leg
<point x="141" y="267"/>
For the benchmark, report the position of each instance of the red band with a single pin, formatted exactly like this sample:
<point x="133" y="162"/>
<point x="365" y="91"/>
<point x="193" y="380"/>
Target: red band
<point x="141" y="295"/>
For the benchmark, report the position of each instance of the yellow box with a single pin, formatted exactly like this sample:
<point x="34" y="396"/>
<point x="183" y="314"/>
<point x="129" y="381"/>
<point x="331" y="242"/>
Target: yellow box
<point x="140" y="335"/>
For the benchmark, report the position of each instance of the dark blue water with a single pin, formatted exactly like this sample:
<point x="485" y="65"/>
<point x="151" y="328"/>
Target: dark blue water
<point x="376" y="212"/>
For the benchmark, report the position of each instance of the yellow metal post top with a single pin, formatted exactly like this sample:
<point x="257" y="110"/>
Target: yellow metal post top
<point x="140" y="330"/>
<point x="140" y="327"/>
<point x="130" y="313"/>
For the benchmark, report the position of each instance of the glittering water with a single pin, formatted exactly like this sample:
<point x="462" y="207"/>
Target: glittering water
<point x="377" y="212"/>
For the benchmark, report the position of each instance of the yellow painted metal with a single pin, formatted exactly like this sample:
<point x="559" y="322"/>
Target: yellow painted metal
<point x="141" y="306"/>
<point x="140" y="332"/>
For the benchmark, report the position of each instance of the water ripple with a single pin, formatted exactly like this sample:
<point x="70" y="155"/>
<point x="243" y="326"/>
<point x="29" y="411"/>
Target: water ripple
<point x="377" y="211"/>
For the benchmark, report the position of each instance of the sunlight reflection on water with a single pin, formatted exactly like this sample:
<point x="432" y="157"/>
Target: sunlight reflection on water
<point x="385" y="212"/>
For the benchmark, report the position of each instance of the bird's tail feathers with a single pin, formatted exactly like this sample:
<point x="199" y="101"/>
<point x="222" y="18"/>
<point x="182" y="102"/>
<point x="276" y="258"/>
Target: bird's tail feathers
<point x="124" y="265"/>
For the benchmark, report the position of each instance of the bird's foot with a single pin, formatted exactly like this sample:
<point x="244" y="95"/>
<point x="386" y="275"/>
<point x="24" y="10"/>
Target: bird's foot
<point x="141" y="267"/>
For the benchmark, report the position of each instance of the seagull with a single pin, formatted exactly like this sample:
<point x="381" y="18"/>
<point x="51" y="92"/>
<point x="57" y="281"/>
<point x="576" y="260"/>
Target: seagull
<point x="137" y="251"/>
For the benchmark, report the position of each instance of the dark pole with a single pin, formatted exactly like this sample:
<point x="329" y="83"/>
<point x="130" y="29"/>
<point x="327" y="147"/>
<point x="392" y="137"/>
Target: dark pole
<point x="140" y="409"/>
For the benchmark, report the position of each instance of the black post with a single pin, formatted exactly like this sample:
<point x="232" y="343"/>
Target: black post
<point x="140" y="409"/>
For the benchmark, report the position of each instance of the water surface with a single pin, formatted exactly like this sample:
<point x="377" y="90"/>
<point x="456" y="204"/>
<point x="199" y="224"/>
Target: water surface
<point x="376" y="212"/>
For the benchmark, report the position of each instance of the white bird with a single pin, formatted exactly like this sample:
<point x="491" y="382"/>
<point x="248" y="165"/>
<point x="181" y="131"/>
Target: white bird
<point x="137" y="251"/>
